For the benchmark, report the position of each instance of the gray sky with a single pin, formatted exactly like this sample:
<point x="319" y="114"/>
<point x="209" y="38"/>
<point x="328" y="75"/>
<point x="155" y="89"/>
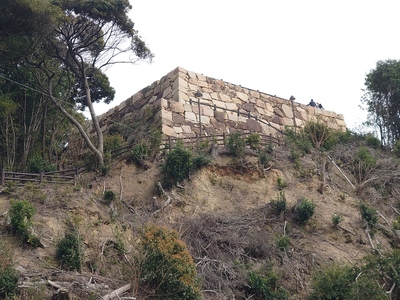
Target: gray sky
<point x="318" y="50"/>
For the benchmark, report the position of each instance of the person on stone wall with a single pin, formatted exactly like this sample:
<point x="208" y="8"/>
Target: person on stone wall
<point x="319" y="105"/>
<point x="312" y="103"/>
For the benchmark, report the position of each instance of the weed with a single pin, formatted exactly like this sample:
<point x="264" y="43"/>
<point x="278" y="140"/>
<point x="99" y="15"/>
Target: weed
<point x="305" y="209"/>
<point x="109" y="196"/>
<point x="283" y="242"/>
<point x="69" y="250"/>
<point x="21" y="214"/>
<point x="336" y="219"/>
<point x="140" y="152"/>
<point x="264" y="157"/>
<point x="369" y="214"/>
<point x="236" y="145"/>
<point x="253" y="140"/>
<point x="279" y="204"/>
<point x="8" y="276"/>
<point x="281" y="183"/>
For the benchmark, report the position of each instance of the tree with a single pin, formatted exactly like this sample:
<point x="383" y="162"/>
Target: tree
<point x="78" y="39"/>
<point x="382" y="97"/>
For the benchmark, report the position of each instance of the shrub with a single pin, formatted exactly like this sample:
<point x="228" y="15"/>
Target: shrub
<point x="37" y="164"/>
<point x="69" y="251"/>
<point x="372" y="141"/>
<point x="365" y="156"/>
<point x="109" y="196"/>
<point x="168" y="267"/>
<point x="112" y="142"/>
<point x="236" y="144"/>
<point x="279" y="204"/>
<point x="264" y="285"/>
<point x="8" y="276"/>
<point x="298" y="143"/>
<point x="304" y="210"/>
<point x="281" y="183"/>
<point x="333" y="283"/>
<point x="336" y="219"/>
<point x="21" y="213"/>
<point x="177" y="166"/>
<point x="264" y="156"/>
<point x="369" y="214"/>
<point x="253" y="140"/>
<point x="140" y="152"/>
<point x="283" y="242"/>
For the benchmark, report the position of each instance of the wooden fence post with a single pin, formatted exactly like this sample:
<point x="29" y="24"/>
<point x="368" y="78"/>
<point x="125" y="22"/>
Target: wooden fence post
<point x="41" y="177"/>
<point x="3" y="176"/>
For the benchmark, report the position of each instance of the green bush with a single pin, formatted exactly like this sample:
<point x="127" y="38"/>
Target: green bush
<point x="8" y="276"/>
<point x="263" y="284"/>
<point x="140" y="152"/>
<point x="298" y="143"/>
<point x="283" y="242"/>
<point x="334" y="282"/>
<point x="253" y="140"/>
<point x="336" y="219"/>
<point x="21" y="213"/>
<point x="236" y="144"/>
<point x="279" y="204"/>
<point x="177" y="166"/>
<point x="264" y="156"/>
<point x="37" y="164"/>
<point x="365" y="156"/>
<point x="168" y="268"/>
<point x="112" y="142"/>
<point x="69" y="251"/>
<point x="369" y="214"/>
<point x="305" y="209"/>
<point x="109" y="196"/>
<point x="281" y="183"/>
<point x="372" y="141"/>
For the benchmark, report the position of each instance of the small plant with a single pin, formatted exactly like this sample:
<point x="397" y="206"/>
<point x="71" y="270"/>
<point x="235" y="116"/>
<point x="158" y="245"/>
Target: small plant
<point x="396" y="224"/>
<point x="372" y="141"/>
<point x="112" y="142"/>
<point x="140" y="152"/>
<point x="168" y="267"/>
<point x="369" y="214"/>
<point x="305" y="209"/>
<point x="281" y="183"/>
<point x="279" y="204"/>
<point x="336" y="219"/>
<point x="264" y="157"/>
<point x="21" y="214"/>
<point x="283" y="242"/>
<point x="177" y="166"/>
<point x="37" y="164"/>
<point x="69" y="251"/>
<point x="236" y="144"/>
<point x="8" y="276"/>
<point x="263" y="284"/>
<point x="253" y="140"/>
<point x="109" y="196"/>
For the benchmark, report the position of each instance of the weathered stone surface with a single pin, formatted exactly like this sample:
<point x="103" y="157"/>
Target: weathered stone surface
<point x="169" y="101"/>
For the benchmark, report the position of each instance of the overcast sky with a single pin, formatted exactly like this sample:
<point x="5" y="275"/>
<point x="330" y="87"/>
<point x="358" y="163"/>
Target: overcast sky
<point x="318" y="50"/>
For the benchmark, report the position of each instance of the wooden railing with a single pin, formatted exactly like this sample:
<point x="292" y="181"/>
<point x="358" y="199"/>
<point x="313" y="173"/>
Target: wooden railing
<point x="190" y="142"/>
<point x="64" y="176"/>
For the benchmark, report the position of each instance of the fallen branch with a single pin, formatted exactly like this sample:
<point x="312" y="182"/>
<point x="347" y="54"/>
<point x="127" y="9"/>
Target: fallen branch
<point x="116" y="293"/>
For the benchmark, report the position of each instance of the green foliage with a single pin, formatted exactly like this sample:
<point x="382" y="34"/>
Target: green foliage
<point x="281" y="183"/>
<point x="69" y="251"/>
<point x="8" y="276"/>
<point x="263" y="284"/>
<point x="305" y="209"/>
<point x="332" y="283"/>
<point x="168" y="267"/>
<point x="109" y="196"/>
<point x="382" y="99"/>
<point x="253" y="140"/>
<point x="298" y="143"/>
<point x="368" y="213"/>
<point x="279" y="204"/>
<point x="112" y="142"/>
<point x="336" y="219"/>
<point x="372" y="141"/>
<point x="179" y="163"/>
<point x="236" y="144"/>
<point x="365" y="156"/>
<point x="264" y="156"/>
<point x="21" y="213"/>
<point x="396" y="149"/>
<point x="36" y="165"/>
<point x="396" y="224"/>
<point x="140" y="152"/>
<point x="283" y="242"/>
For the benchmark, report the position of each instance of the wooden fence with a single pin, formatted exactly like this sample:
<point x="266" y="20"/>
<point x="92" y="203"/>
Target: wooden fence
<point x="191" y="142"/>
<point x="64" y="176"/>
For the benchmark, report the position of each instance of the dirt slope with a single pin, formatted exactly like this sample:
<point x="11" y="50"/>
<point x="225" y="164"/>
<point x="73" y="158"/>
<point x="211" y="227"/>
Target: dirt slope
<point x="224" y="190"/>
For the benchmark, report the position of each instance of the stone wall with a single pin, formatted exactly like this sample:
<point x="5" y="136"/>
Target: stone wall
<point x="170" y="105"/>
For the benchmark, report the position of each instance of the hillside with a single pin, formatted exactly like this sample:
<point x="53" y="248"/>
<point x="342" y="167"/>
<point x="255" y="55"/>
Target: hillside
<point x="223" y="212"/>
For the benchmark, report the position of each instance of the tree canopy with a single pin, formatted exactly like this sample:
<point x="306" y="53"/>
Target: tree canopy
<point x="61" y="48"/>
<point x="382" y="97"/>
